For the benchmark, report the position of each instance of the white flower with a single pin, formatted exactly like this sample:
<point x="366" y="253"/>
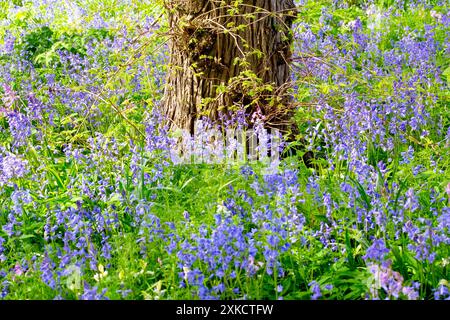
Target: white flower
<point x="436" y="15"/>
<point x="102" y="273"/>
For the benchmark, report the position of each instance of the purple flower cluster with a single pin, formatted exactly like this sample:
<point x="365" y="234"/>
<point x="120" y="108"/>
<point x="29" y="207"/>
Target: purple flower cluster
<point x="78" y="179"/>
<point x="391" y="282"/>
<point x="348" y="130"/>
<point x="442" y="292"/>
<point x="377" y="251"/>
<point x="228" y="249"/>
<point x="2" y="250"/>
<point x="11" y="166"/>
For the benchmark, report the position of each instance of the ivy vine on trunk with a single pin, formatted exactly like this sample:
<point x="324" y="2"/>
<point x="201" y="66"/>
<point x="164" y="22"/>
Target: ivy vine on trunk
<point x="227" y="56"/>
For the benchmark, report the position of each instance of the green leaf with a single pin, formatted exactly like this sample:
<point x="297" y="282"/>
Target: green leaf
<point x="349" y="249"/>
<point x="26" y="236"/>
<point x="447" y="74"/>
<point x="57" y="177"/>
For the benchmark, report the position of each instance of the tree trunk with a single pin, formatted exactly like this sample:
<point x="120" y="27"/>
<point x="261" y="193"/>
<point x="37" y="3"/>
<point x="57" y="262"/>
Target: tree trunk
<point x="227" y="55"/>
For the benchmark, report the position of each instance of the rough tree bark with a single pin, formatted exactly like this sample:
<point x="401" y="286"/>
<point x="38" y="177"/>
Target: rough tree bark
<point x="241" y="46"/>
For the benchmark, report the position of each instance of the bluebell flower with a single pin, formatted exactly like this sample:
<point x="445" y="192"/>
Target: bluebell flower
<point x="377" y="251"/>
<point x="315" y="290"/>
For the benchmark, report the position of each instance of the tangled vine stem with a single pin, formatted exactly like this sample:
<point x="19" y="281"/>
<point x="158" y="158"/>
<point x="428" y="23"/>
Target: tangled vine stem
<point x="228" y="56"/>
